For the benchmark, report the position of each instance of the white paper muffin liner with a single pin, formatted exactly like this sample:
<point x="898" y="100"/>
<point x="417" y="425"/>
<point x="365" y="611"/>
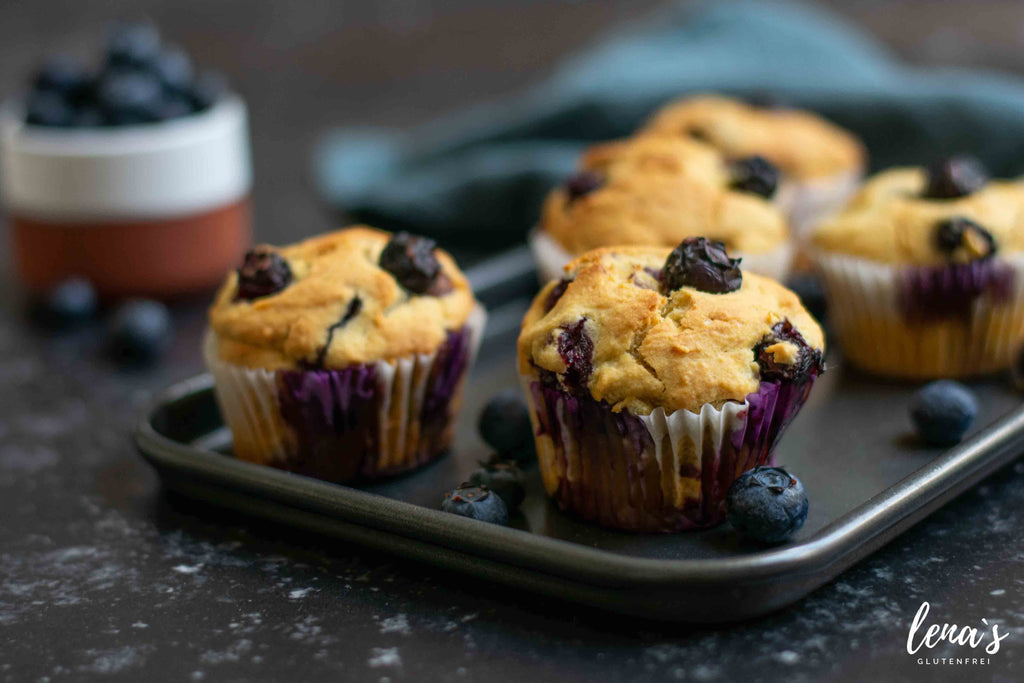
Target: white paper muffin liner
<point x="550" y="258"/>
<point x="807" y="202"/>
<point x="868" y="307"/>
<point x="366" y="421"/>
<point x="656" y="472"/>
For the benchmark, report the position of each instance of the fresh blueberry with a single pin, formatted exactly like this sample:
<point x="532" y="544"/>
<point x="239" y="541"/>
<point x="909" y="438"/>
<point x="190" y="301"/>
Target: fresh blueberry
<point x="133" y="44"/>
<point x="808" y="287"/>
<point x="174" y="69"/>
<point x="582" y="184"/>
<point x="959" y="232"/>
<point x="47" y="108"/>
<point x="263" y="272"/>
<point x="754" y="174"/>
<point x="942" y="412"/>
<point x="129" y="97"/>
<point x="412" y="262"/>
<point x="766" y="504"/>
<point x="172" y="106"/>
<point x="955" y="177"/>
<point x="505" y="426"/>
<point x="703" y="265"/>
<point x="139" y="331"/>
<point x="64" y="75"/>
<point x="66" y="303"/>
<point x="209" y="88"/>
<point x="476" y="502"/>
<point x="504" y="478"/>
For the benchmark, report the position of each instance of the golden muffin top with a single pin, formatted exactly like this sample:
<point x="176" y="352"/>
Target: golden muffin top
<point x="356" y="295"/>
<point x="950" y="212"/>
<point x="647" y="327"/>
<point x="656" y="192"/>
<point x="803" y="145"/>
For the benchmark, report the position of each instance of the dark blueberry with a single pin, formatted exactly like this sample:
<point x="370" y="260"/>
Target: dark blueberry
<point x="577" y="352"/>
<point x="766" y="504"/>
<point x="172" y="107"/>
<point x="263" y="272"/>
<point x="129" y="97"/>
<point x="66" y="303"/>
<point x="556" y="293"/>
<point x="207" y="90"/>
<point x="703" y="265"/>
<point x="955" y="177"/>
<point x="135" y="45"/>
<point x="476" y="502"/>
<point x="805" y="365"/>
<point x="942" y="412"/>
<point x="505" y="426"/>
<point x="960" y="233"/>
<point x="754" y="174"/>
<point x="139" y="331"/>
<point x="504" y="478"/>
<point x="582" y="184"/>
<point x="46" y="108"/>
<point x="412" y="262"/>
<point x="174" y="69"/>
<point x="64" y="75"/>
<point x="808" y="287"/>
<point x="88" y="117"/>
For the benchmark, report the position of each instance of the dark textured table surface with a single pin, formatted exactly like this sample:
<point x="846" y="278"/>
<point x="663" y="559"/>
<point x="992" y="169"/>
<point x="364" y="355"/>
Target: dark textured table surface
<point x="104" y="576"/>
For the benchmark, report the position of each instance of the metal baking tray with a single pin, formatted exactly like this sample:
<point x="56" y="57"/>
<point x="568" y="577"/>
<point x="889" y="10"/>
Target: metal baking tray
<point x="867" y="478"/>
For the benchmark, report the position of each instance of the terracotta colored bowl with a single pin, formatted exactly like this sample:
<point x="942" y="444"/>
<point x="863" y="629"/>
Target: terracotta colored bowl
<point x="153" y="210"/>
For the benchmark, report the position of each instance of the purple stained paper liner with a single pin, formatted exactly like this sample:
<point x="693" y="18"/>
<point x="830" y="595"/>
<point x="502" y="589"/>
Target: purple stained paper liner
<point x="656" y="473"/>
<point x="950" y="290"/>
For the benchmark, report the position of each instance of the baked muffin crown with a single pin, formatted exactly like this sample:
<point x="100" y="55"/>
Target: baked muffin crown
<point x="892" y="220"/>
<point x="655" y="192"/>
<point x="614" y="330"/>
<point x="337" y="304"/>
<point x="804" y="145"/>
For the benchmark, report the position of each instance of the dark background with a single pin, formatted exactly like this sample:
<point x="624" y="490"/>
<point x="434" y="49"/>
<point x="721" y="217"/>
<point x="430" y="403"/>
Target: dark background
<point x="101" y="576"/>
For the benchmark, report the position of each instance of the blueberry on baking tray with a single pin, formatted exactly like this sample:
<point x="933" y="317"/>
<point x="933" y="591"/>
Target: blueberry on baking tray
<point x="942" y="412"/>
<point x="503" y="477"/>
<point x="66" y="303"/>
<point x="505" y="426"/>
<point x="766" y="504"/>
<point x="139" y="331"/>
<point x="476" y="502"/>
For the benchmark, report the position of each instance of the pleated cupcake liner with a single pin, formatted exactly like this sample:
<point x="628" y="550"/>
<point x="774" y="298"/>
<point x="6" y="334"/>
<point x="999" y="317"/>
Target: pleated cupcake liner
<point x="363" y="421"/>
<point x="807" y="202"/>
<point x="551" y="257"/>
<point x="659" y="472"/>
<point x="926" y="322"/>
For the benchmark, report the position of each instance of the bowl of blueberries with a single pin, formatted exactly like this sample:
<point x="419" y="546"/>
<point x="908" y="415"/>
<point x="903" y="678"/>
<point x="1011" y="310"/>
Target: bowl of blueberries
<point x="131" y="169"/>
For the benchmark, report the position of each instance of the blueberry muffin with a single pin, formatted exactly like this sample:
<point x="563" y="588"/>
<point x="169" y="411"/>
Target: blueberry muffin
<point x="821" y="163"/>
<point x="655" y="377"/>
<point x="343" y="356"/>
<point x="656" y="192"/>
<point x="925" y="271"/>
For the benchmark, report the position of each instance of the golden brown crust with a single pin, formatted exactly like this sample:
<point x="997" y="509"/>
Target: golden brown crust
<point x="889" y="220"/>
<point x="291" y="327"/>
<point x="657" y="192"/>
<point x="676" y="352"/>
<point x="804" y="145"/>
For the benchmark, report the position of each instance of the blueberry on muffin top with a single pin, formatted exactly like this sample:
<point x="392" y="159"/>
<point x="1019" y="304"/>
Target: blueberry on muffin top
<point x="893" y="219"/>
<point x="655" y="192"/>
<point x="624" y="334"/>
<point x="356" y="295"/>
<point x="803" y="145"/>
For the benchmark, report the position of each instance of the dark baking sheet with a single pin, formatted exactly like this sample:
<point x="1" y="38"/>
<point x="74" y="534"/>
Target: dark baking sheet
<point x="866" y="477"/>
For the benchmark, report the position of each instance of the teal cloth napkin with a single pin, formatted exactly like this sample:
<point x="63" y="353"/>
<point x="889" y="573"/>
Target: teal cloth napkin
<point x="479" y="178"/>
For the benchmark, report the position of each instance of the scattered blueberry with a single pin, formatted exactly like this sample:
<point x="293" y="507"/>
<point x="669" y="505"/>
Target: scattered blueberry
<point x="476" y="502"/>
<point x="754" y="174"/>
<point x="505" y="426"/>
<point x="135" y="45"/>
<point x="582" y="184"/>
<point x="504" y="478"/>
<point x="942" y="412"/>
<point x="263" y="272"/>
<point x="47" y="108"/>
<point x="808" y="287"/>
<point x="66" y="303"/>
<point x="412" y="262"/>
<point x="955" y="177"/>
<point x="139" y="331"/>
<point x="703" y="265"/>
<point x="174" y="69"/>
<point x="766" y="504"/>
<point x="959" y="232"/>
<point x="63" y="75"/>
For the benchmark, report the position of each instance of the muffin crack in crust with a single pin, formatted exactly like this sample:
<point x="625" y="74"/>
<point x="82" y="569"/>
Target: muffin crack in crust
<point x="652" y="348"/>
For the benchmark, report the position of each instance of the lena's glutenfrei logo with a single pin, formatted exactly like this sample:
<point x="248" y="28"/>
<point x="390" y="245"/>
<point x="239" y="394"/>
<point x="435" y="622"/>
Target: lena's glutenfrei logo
<point x="979" y="640"/>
